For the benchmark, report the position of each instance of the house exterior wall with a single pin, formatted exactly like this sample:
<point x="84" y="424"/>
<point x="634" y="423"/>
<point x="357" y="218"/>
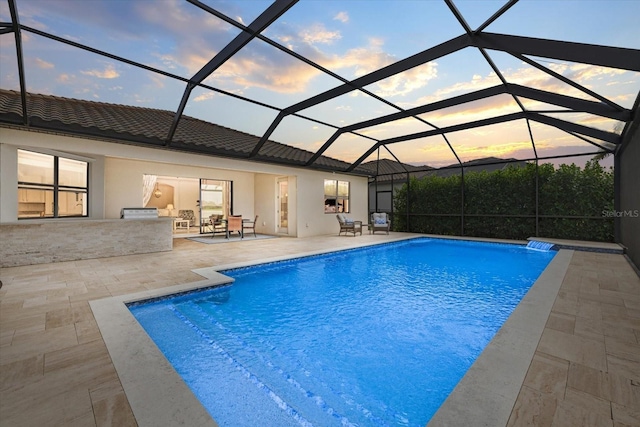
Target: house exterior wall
<point x="265" y="203"/>
<point x="293" y="229"/>
<point x="116" y="172"/>
<point x="8" y="182"/>
<point x="126" y="173"/>
<point x="311" y="216"/>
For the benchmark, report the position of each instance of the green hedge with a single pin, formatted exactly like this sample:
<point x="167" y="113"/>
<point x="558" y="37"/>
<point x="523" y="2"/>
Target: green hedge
<point x="508" y="197"/>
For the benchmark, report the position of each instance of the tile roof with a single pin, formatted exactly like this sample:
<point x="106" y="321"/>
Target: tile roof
<point x="386" y="168"/>
<point x="149" y="127"/>
<point x="486" y="164"/>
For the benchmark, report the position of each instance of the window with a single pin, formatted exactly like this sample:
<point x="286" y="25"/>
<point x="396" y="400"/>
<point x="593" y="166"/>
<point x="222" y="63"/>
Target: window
<point x="336" y="196"/>
<point x="50" y="186"/>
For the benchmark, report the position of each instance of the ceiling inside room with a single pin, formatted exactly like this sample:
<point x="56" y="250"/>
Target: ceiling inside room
<point x="423" y="83"/>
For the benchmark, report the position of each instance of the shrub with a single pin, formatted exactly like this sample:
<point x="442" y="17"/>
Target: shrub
<point x="502" y="204"/>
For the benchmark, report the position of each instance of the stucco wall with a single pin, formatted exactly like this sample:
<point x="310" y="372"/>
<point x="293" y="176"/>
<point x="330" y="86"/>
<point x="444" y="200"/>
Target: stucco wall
<point x="311" y="217"/>
<point x="265" y="203"/>
<point x="117" y="170"/>
<point x="8" y="182"/>
<point x="123" y="184"/>
<point x="629" y="211"/>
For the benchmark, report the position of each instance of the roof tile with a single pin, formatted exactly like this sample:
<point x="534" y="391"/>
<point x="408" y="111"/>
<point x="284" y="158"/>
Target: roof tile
<point x="150" y="127"/>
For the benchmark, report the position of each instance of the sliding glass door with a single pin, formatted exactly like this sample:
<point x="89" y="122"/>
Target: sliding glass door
<point x="215" y="198"/>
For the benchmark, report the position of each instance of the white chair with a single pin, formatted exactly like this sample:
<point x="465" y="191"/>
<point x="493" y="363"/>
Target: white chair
<point x="379" y="222"/>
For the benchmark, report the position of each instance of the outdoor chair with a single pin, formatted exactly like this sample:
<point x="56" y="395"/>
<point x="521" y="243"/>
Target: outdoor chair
<point x="247" y="224"/>
<point x="218" y="225"/>
<point x="348" y="225"/>
<point x="234" y="223"/>
<point x="379" y="222"/>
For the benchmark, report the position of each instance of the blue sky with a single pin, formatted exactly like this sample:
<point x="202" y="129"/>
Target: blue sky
<point x="350" y="38"/>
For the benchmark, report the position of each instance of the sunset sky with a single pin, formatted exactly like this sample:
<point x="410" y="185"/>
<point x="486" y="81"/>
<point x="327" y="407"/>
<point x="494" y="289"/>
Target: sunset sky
<point x="350" y="38"/>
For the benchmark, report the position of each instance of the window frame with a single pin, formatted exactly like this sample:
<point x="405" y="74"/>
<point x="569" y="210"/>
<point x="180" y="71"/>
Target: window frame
<point x="335" y="202"/>
<point x="56" y="188"/>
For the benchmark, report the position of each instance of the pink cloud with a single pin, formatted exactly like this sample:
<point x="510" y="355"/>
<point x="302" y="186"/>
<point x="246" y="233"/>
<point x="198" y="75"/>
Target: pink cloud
<point x="109" y="72"/>
<point x="342" y="17"/>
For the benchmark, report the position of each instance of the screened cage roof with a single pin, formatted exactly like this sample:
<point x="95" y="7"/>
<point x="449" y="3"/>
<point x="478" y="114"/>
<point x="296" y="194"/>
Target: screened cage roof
<point x="348" y="86"/>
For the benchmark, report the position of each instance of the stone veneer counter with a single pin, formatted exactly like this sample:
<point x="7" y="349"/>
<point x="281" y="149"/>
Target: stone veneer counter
<point x="43" y="241"/>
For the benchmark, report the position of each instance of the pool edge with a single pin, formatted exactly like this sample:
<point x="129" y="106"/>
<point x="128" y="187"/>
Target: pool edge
<point x="485" y="396"/>
<point x="157" y="393"/>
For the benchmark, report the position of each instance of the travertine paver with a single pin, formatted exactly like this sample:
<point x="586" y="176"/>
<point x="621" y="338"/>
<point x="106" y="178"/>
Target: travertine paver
<point x="55" y="369"/>
<point x="587" y="365"/>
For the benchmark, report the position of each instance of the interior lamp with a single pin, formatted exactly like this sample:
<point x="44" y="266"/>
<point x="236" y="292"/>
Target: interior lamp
<point x="170" y="206"/>
<point x="157" y="193"/>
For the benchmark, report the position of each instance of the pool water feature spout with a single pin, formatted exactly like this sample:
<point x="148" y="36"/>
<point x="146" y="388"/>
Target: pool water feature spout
<point x="537" y="245"/>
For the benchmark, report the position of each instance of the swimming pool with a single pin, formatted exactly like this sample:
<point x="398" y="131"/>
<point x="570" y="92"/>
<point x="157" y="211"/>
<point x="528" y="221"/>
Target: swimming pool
<point x="374" y="336"/>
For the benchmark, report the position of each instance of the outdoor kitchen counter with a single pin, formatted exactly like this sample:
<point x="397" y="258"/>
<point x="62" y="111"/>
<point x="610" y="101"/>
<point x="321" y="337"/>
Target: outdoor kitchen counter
<point x="43" y="241"/>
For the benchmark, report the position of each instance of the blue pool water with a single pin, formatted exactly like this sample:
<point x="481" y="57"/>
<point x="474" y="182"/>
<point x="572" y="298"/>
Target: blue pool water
<point x="377" y="336"/>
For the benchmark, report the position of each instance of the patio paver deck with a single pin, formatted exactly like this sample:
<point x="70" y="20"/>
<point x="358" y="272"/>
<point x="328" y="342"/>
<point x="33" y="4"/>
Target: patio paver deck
<point x="55" y="368"/>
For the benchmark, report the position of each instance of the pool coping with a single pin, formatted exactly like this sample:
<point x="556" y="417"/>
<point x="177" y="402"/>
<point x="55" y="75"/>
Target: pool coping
<point x="485" y="395"/>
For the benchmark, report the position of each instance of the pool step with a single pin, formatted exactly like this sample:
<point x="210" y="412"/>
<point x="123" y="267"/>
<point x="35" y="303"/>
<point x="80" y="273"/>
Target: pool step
<point x="293" y="396"/>
<point x="312" y="373"/>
